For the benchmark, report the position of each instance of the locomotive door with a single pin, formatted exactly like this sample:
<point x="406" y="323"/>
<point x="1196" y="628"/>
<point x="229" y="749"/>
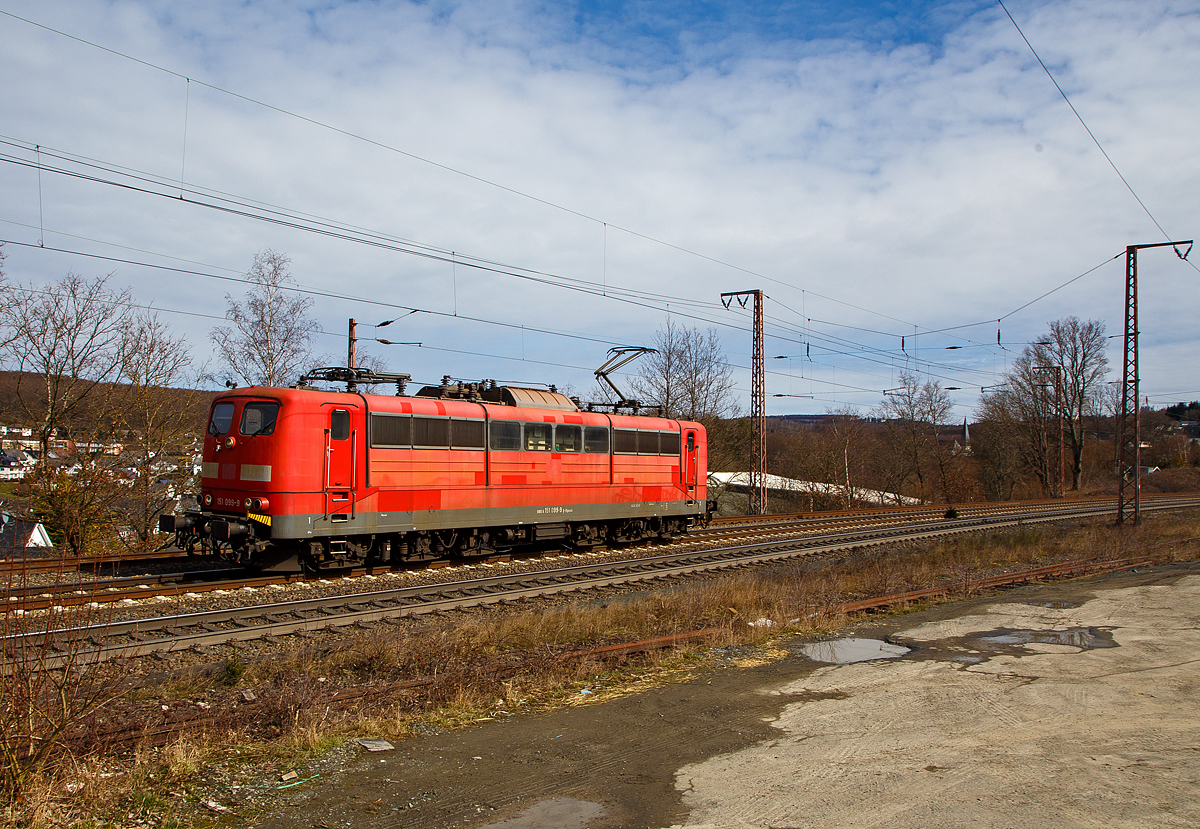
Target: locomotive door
<point x="689" y="463"/>
<point x="341" y="461"/>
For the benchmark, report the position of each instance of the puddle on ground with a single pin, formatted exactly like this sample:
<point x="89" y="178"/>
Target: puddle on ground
<point x="555" y="813"/>
<point x="980" y="646"/>
<point x="1056" y="604"/>
<point x="845" y="651"/>
<point x="1084" y="638"/>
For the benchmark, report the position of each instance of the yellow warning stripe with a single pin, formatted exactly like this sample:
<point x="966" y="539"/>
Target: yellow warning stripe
<point x="262" y="519"/>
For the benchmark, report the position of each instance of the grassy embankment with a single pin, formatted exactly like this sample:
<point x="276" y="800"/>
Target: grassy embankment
<point x="411" y="677"/>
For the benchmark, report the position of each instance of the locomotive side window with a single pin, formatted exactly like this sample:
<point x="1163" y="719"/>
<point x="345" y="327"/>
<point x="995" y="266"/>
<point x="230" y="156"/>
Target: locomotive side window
<point x="625" y="441"/>
<point x="691" y="443"/>
<point x="466" y="434"/>
<point x="390" y="431"/>
<point x="259" y="418"/>
<point x="568" y="438"/>
<point x="595" y="440"/>
<point x="433" y="432"/>
<point x="537" y="437"/>
<point x="647" y="443"/>
<point x="670" y="443"/>
<point x="221" y="420"/>
<point x="505" y="436"/>
<point x="339" y="424"/>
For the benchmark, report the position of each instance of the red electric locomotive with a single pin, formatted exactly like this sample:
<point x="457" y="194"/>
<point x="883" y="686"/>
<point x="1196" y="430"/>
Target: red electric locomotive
<point x="301" y="477"/>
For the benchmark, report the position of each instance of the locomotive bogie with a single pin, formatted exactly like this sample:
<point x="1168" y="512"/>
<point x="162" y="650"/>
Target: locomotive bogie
<point x="327" y="479"/>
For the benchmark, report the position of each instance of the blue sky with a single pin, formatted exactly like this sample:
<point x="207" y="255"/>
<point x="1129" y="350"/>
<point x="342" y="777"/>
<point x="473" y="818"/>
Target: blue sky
<point x="670" y="32"/>
<point x="882" y="171"/>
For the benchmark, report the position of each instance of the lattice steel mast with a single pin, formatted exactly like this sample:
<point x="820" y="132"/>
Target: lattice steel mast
<point x="1129" y="423"/>
<point x="758" y="405"/>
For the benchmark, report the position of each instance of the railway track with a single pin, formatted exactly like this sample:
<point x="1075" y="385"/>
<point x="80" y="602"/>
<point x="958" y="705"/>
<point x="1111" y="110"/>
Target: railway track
<point x="212" y="627"/>
<point x="720" y="528"/>
<point x="29" y="566"/>
<point x="139" y="588"/>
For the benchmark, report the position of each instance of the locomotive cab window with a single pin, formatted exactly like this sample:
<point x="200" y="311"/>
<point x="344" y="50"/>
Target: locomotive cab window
<point x="259" y="418"/>
<point x="595" y="440"/>
<point x="537" y="437"/>
<point x="568" y="438"/>
<point x="339" y="424"/>
<point x="221" y="420"/>
<point x="505" y="436"/>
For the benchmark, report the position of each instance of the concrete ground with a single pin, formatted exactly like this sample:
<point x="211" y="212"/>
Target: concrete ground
<point x="1066" y="705"/>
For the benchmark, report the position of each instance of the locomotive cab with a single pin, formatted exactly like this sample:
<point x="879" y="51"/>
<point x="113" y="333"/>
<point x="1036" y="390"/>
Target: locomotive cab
<point x="239" y="480"/>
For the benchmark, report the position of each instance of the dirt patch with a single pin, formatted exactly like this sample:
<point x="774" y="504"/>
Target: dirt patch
<point x="1021" y="737"/>
<point x="621" y="754"/>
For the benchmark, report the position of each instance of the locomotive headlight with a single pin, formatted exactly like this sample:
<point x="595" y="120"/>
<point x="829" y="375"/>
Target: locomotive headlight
<point x="248" y="503"/>
<point x="261" y="505"/>
<point x="230" y="442"/>
<point x="208" y="499"/>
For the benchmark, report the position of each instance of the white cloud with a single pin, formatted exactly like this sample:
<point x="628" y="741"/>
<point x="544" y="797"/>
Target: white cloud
<point x="906" y="180"/>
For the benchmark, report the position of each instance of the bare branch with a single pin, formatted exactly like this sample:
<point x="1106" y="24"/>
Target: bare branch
<point x="269" y="341"/>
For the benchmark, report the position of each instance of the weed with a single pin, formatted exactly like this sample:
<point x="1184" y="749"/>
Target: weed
<point x="231" y="671"/>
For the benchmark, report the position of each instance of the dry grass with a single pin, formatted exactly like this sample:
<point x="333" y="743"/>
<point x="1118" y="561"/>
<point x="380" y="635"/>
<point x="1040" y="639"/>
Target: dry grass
<point x="450" y="671"/>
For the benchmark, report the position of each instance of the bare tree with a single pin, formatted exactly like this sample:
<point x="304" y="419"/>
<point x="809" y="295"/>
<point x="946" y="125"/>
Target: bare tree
<point x="1075" y="349"/>
<point x="1019" y="413"/>
<point x="995" y="444"/>
<point x="1060" y="375"/>
<point x="269" y="341"/>
<point x="159" y="424"/>
<point x="847" y="431"/>
<point x="67" y="344"/>
<point x="688" y="375"/>
<point x="913" y="415"/>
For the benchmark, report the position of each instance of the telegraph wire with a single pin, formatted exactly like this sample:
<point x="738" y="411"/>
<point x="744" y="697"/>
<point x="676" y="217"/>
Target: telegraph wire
<point x="308" y="291"/>
<point x="397" y="150"/>
<point x="448" y="168"/>
<point x="1092" y="135"/>
<point x="428" y="253"/>
<point x="291" y="219"/>
<point x="396" y="306"/>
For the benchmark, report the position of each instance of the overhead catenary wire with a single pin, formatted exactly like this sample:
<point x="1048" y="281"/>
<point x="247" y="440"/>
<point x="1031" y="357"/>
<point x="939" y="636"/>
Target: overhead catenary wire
<point x="1092" y="135"/>
<point x="292" y="222"/>
<point x="305" y="222"/>
<point x="349" y="297"/>
<point x="606" y="290"/>
<point x="448" y="168"/>
<point x="188" y="80"/>
<point x="1088" y="129"/>
<point x="289" y="218"/>
<point x="390" y="305"/>
<point x="389" y="148"/>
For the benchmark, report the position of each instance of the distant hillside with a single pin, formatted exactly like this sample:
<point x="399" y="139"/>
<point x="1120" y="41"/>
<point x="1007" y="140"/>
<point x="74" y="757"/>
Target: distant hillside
<point x="196" y="403"/>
